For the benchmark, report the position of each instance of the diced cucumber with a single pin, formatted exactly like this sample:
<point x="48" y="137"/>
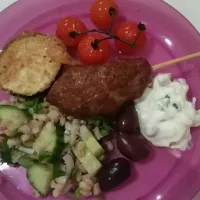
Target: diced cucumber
<point x="87" y="159"/>
<point x="26" y="162"/>
<point x="46" y="142"/>
<point x="91" y="143"/>
<point x="50" y="142"/>
<point x="40" y="177"/>
<point x="12" y="118"/>
<point x="27" y="150"/>
<point x="16" y="155"/>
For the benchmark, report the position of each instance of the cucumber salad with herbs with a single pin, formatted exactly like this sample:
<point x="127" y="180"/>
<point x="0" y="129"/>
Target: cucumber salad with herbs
<point x="61" y="154"/>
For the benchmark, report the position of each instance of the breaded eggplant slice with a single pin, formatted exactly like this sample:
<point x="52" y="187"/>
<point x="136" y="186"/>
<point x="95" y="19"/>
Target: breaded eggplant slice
<point x="30" y="63"/>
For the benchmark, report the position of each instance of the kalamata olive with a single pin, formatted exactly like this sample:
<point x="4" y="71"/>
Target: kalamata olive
<point x="132" y="147"/>
<point x="114" y="173"/>
<point x="127" y="118"/>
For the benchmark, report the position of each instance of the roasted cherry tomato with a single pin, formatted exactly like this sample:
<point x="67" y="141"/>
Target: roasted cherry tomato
<point x="100" y="13"/>
<point x="130" y="32"/>
<point x="67" y="25"/>
<point x="92" y="54"/>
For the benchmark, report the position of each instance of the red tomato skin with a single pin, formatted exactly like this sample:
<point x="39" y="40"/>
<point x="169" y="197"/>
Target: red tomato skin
<point x="90" y="56"/>
<point x="129" y="31"/>
<point x="99" y="13"/>
<point x="65" y="26"/>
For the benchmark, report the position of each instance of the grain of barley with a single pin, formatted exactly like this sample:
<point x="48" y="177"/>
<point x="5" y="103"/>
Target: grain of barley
<point x="75" y="121"/>
<point x="25" y="137"/>
<point x="61" y="180"/>
<point x="67" y="132"/>
<point x="86" y="176"/>
<point x="53" y="108"/>
<point x="53" y="115"/>
<point x="63" y="167"/>
<point x="41" y="117"/>
<point x="83" y="122"/>
<point x="20" y="106"/>
<point x="89" y="182"/>
<point x="66" y="139"/>
<point x="75" y="129"/>
<point x="78" y="176"/>
<point x="46" y="104"/>
<point x="80" y="166"/>
<point x="67" y="188"/>
<point x="56" y="193"/>
<point x="25" y="129"/>
<point x="50" y="126"/>
<point x="86" y="193"/>
<point x="96" y="190"/>
<point x="62" y="121"/>
<point x="35" y="123"/>
<point x="97" y="133"/>
<point x="53" y="184"/>
<point x="68" y="126"/>
<point x="36" y="130"/>
<point x="70" y="118"/>
<point x="72" y="140"/>
<point x="85" y="186"/>
<point x="15" y="142"/>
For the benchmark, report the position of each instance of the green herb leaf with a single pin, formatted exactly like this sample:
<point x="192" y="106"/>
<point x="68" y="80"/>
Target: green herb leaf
<point x="78" y="192"/>
<point x="44" y="157"/>
<point x="57" y="172"/>
<point x="5" y="152"/>
<point x="35" y="103"/>
<point x="16" y="155"/>
<point x="56" y="157"/>
<point x="74" y="172"/>
<point x="105" y="127"/>
<point x="26" y="161"/>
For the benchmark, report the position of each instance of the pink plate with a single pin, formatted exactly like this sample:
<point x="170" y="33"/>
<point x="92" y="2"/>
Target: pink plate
<point x="167" y="175"/>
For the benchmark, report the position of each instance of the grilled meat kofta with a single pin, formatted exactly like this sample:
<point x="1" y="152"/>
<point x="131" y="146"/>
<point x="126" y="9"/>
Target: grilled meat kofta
<point x="86" y="91"/>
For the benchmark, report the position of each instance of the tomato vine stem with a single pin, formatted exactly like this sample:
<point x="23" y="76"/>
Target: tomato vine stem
<point x="112" y="12"/>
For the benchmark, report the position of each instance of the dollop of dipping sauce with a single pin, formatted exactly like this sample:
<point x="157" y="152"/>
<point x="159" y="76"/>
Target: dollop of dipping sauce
<point x="165" y="114"/>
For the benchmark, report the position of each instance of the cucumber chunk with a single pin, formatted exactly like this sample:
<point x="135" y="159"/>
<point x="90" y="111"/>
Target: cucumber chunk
<point x="46" y="142"/>
<point x="40" y="177"/>
<point x="50" y="143"/>
<point x="26" y="162"/>
<point x="12" y="118"/>
<point x="90" y="141"/>
<point x="88" y="160"/>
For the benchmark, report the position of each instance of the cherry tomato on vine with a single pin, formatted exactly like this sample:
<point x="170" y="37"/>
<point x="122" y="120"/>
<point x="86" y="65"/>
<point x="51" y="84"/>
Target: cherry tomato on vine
<point x="130" y="32"/>
<point x="92" y="53"/>
<point x="99" y="13"/>
<point x="65" y="26"/>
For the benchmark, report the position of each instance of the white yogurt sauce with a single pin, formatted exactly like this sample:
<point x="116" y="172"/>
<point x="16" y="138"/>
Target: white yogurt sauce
<point x="165" y="114"/>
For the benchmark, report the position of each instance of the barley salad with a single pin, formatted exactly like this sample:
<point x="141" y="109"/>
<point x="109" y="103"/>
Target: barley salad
<point x="60" y="149"/>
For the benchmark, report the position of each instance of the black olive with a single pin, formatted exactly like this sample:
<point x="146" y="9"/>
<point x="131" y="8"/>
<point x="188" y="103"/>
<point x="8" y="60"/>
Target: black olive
<point x="132" y="147"/>
<point x="114" y="173"/>
<point x="127" y="118"/>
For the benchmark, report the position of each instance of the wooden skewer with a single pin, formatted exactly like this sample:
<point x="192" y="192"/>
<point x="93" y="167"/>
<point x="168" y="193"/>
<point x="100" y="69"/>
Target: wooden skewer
<point x="177" y="60"/>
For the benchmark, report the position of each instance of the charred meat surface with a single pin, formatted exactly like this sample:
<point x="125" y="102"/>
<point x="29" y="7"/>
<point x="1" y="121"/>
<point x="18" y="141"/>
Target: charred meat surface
<point x="100" y="90"/>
